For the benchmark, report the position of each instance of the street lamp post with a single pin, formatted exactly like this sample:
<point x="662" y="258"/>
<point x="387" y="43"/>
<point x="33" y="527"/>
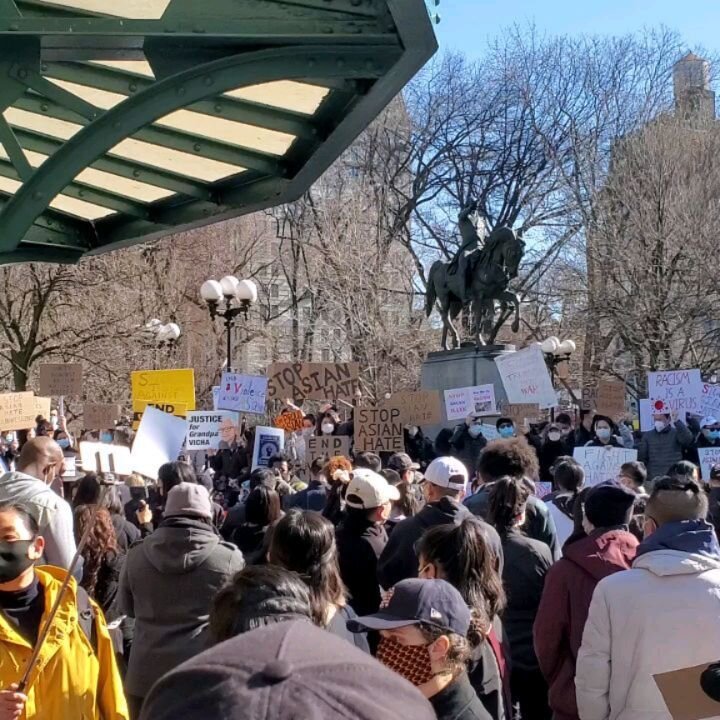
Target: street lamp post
<point x="229" y="289"/>
<point x="555" y="353"/>
<point x="162" y="336"/>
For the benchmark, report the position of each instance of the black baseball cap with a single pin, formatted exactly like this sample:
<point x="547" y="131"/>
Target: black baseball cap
<point x="289" y="669"/>
<point x="415" y="601"/>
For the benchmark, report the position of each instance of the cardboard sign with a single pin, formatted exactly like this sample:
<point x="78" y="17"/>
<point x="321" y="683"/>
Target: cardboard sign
<point x="314" y="381"/>
<point x="378" y="429"/>
<point x="269" y="441"/>
<point x="602" y="463"/>
<point x="19" y="410"/>
<point x="102" y="457"/>
<point x="159" y="439"/>
<point x="61" y="379"/>
<point x="326" y="446"/>
<point x="710" y="400"/>
<point x="675" y="390"/>
<point x="422" y="407"/>
<point x="205" y="428"/>
<point x="164" y="386"/>
<point x="708" y="458"/>
<point x="610" y="399"/>
<point x="476" y="400"/>
<point x="290" y="421"/>
<point x="684" y="696"/>
<point x="139" y="406"/>
<point x="100" y="416"/>
<point x="519" y="413"/>
<point x="525" y="377"/>
<point x="243" y="393"/>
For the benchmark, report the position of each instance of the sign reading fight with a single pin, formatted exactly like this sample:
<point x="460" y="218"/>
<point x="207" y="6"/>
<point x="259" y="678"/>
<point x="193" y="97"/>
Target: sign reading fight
<point x="161" y="387"/>
<point x="19" y="410"/>
<point x="324" y="447"/>
<point x="243" y="393"/>
<point x="378" y="429"/>
<point x="313" y="381"/>
<point x="526" y="378"/>
<point x="61" y="379"/>
<point x="422" y="407"/>
<point x="675" y="391"/>
<point x="204" y="428"/>
<point x="477" y="400"/>
<point x="602" y="463"/>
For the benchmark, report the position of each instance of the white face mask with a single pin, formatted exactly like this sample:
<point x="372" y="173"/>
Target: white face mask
<point x="659" y="425"/>
<point x="327" y="428"/>
<point x="554" y="436"/>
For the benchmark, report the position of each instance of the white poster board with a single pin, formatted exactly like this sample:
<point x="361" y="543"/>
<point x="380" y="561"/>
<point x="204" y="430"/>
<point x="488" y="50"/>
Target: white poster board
<point x="602" y="463"/>
<point x="646" y="415"/>
<point x="102" y="457"/>
<point x="243" y="393"/>
<point x="710" y="400"/>
<point x="476" y="400"/>
<point x="158" y="440"/>
<point x="675" y="390"/>
<point x="525" y="377"/>
<point x="216" y="396"/>
<point x="708" y="458"/>
<point x="269" y="441"/>
<point x="204" y="428"/>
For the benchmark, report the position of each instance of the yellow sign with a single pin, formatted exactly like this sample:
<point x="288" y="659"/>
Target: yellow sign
<point x="176" y="409"/>
<point x="164" y="386"/>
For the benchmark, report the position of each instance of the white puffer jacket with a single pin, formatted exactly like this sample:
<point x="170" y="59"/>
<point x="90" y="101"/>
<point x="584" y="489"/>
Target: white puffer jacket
<point x="662" y="615"/>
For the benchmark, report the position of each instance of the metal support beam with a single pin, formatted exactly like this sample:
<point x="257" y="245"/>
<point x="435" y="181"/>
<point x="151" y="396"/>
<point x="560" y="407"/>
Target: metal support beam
<point x="12" y="147"/>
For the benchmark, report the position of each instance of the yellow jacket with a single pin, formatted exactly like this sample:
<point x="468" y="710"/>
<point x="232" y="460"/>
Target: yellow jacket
<point x="70" y="682"/>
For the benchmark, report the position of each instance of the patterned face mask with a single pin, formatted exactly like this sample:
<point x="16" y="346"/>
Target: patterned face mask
<point x="410" y="661"/>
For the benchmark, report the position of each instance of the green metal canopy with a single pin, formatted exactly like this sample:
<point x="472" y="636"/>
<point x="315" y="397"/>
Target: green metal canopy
<point x="122" y="121"/>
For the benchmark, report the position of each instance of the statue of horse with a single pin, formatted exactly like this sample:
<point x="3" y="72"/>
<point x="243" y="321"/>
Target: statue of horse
<point x="477" y="278"/>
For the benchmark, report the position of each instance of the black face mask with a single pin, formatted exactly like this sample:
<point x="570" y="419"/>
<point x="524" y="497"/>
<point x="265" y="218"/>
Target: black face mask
<point x="14" y="559"/>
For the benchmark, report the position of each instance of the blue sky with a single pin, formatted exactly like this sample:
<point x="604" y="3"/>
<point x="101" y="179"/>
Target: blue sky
<point x="466" y="24"/>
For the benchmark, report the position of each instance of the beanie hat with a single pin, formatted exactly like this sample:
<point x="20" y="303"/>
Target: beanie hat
<point x="188" y="500"/>
<point x="609" y="504"/>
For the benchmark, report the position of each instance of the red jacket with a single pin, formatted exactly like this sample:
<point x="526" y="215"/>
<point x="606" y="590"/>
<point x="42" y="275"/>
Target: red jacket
<point x="564" y="609"/>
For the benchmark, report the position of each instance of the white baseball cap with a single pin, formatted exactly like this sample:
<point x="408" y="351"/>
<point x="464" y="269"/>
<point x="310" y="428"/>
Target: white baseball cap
<point x="447" y="472"/>
<point x="368" y="490"/>
<point x="708" y="422"/>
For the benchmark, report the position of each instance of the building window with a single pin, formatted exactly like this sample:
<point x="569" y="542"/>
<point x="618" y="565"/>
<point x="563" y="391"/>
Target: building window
<point x="274" y="311"/>
<point x="274" y="291"/>
<point x="326" y="355"/>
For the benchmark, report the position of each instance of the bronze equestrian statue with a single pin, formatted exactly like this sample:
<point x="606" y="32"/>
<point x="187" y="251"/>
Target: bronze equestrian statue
<point x="478" y="275"/>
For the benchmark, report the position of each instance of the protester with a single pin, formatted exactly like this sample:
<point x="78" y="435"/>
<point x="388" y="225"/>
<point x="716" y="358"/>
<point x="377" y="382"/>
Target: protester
<point x="167" y="584"/>
<point x="505" y="427"/>
<point x="404" y="466"/>
<point x="569" y="478"/>
<point x="659" y="616"/>
<point x="444" y="487"/>
<point x="236" y="515"/>
<point x="663" y="446"/>
<point x="138" y="503"/>
<point x="460" y="555"/>
<point x="607" y="549"/>
<point x="441" y="444"/>
<point x="257" y="596"/>
<point x="527" y="562"/>
<point x="304" y="542"/>
<point x="76" y="675"/>
<point x="262" y="510"/>
<point x="280" y="465"/>
<point x="468" y="440"/>
<point x="633" y="476"/>
<point x="39" y="464"/>
<point x="286" y="670"/>
<point x="337" y="471"/>
<point x="314" y="496"/>
<point x="554" y="445"/>
<point x="708" y="437"/>
<point x="423" y="630"/>
<point x="368" y="460"/>
<point x="418" y="446"/>
<point x="584" y="432"/>
<point x="361" y="537"/>
<point x="407" y="505"/>
<point x="684" y="470"/>
<point x="514" y="458"/>
<point x="606" y="433"/>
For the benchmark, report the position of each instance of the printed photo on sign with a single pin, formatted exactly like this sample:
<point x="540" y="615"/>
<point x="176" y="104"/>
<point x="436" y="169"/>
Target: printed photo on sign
<point x="269" y="441"/>
<point x="675" y="391"/>
<point x="525" y="377"/>
<point x="243" y="393"/>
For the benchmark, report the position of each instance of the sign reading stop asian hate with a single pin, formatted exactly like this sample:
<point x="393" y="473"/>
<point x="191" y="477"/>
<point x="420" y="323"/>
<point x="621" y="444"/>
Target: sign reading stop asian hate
<point x="710" y="401"/>
<point x="313" y="381"/>
<point x="378" y="429"/>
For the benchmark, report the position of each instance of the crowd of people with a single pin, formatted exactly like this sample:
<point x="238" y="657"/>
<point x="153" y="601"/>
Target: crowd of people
<point x="433" y="583"/>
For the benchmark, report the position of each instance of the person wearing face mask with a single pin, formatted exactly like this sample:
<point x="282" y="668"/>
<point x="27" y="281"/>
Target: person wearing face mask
<point x="106" y="436"/>
<point x="506" y="428"/>
<point x="554" y="444"/>
<point x="605" y="433"/>
<point x="417" y="446"/>
<point x="663" y="446"/>
<point x="468" y="441"/>
<point x="423" y="637"/>
<point x="329" y="422"/>
<point x="708" y="437"/>
<point x="39" y="464"/>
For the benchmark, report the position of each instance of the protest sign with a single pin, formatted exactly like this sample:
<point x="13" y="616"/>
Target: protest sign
<point x="708" y="457"/>
<point x="543" y="489"/>
<point x="602" y="463"/>
<point x="314" y="381"/>
<point x="378" y="429"/>
<point x="61" y="379"/>
<point x="525" y="377"/>
<point x="159" y="439"/>
<point x="324" y="447"/>
<point x="519" y="413"/>
<point x="476" y="400"/>
<point x="269" y="441"/>
<point x="290" y="421"/>
<point x="675" y="390"/>
<point x="19" y="410"/>
<point x="610" y="398"/>
<point x="164" y="386"/>
<point x="683" y="694"/>
<point x="422" y="407"/>
<point x="710" y="400"/>
<point x="646" y="415"/>
<point x="70" y="465"/>
<point x="204" y="428"/>
<point x="177" y="409"/>
<point x="243" y="393"/>
<point x="101" y="457"/>
<point x="100" y="416"/>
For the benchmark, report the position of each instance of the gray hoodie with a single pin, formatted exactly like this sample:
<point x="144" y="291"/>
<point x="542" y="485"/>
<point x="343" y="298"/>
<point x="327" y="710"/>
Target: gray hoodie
<point x="52" y="513"/>
<point x="167" y="584"/>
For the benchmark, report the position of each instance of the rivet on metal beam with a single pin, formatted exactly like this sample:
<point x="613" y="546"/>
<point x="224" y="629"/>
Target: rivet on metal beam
<point x="50" y="221"/>
<point x="218" y="108"/>
<point x="136" y="173"/>
<point x="369" y="65"/>
<point x="81" y="193"/>
<point x="116" y="125"/>
<point x="44" y="107"/>
<point x="208" y="81"/>
<point x="44" y="67"/>
<point x="22" y="73"/>
<point x="197" y="147"/>
<point x="181" y="90"/>
<point x="132" y="87"/>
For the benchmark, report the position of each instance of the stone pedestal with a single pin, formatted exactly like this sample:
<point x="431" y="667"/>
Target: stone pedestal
<point x="464" y="367"/>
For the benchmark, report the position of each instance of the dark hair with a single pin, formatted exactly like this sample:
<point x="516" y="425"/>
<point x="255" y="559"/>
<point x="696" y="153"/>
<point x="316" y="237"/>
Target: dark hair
<point x="459" y="651"/>
<point x="262" y="507"/>
<point x="606" y="419"/>
<point x="508" y="498"/>
<point x="316" y="466"/>
<point x="256" y="596"/>
<point x="674" y="499"/>
<point x="335" y="500"/>
<point x="467" y="562"/>
<point x="408" y="503"/>
<point x="87" y="491"/>
<point x="304" y="541"/>
<point x="563" y="419"/>
<point x="636" y="471"/>
<point x="682" y="469"/>
<point x="23" y="512"/>
<point x="173" y="473"/>
<point x="504" y="421"/>
<point x="513" y="457"/>
<point x="123" y="435"/>
<point x="101" y="542"/>
<point x="368" y="460"/>
<point x="278" y="458"/>
<point x="569" y="475"/>
<point x="112" y="501"/>
<point x="442" y="442"/>
<point x="310" y="417"/>
<point x="262" y="476"/>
